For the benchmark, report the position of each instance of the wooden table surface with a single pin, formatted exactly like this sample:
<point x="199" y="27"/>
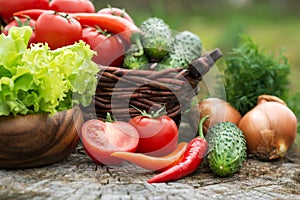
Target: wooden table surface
<point x="77" y="177"/>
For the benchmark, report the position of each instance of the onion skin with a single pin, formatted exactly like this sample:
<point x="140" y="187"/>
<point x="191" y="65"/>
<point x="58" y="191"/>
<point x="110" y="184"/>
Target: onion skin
<point x="219" y="111"/>
<point x="270" y="128"/>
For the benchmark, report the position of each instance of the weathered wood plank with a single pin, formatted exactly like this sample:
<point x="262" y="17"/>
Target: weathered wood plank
<point x="77" y="177"/>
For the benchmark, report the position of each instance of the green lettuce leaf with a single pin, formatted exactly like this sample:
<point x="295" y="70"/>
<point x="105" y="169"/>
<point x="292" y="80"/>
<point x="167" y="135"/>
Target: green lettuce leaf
<point x="40" y="80"/>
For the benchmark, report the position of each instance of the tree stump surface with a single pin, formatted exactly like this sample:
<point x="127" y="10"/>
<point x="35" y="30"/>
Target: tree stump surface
<point x="77" y="177"/>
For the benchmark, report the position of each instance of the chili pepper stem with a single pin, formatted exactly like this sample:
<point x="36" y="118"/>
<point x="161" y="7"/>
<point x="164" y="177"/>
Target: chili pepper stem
<point x="200" y="127"/>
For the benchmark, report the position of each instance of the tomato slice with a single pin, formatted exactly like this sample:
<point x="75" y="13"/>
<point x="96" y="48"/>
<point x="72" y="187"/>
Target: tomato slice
<point x="100" y="139"/>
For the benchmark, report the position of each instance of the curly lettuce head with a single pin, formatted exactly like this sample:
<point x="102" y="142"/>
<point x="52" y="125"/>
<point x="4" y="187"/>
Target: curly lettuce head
<point x="40" y="80"/>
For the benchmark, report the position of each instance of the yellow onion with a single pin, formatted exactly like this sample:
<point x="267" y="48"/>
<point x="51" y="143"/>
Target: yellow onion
<point x="270" y="128"/>
<point x="219" y="111"/>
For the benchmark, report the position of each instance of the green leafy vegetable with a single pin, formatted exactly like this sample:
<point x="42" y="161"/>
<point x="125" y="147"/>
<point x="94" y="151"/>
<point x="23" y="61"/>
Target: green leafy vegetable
<point x="40" y="80"/>
<point x="249" y="72"/>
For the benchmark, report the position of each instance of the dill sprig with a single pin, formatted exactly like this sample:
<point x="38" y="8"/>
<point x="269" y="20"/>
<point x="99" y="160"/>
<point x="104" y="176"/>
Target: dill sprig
<point x="250" y="72"/>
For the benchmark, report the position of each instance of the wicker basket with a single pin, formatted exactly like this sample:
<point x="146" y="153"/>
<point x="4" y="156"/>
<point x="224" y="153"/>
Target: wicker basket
<point x="120" y="91"/>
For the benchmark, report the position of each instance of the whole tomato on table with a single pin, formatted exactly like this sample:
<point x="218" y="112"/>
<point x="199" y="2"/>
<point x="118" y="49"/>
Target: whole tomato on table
<point x="110" y="48"/>
<point x="8" y="7"/>
<point x="101" y="138"/>
<point x="158" y="133"/>
<point x="57" y="29"/>
<point x="72" y="6"/>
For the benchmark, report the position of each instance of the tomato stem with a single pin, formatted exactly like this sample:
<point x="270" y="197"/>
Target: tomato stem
<point x="109" y="6"/>
<point x="109" y="118"/>
<point x="101" y="31"/>
<point x="64" y="15"/>
<point x="159" y="112"/>
<point x="152" y="114"/>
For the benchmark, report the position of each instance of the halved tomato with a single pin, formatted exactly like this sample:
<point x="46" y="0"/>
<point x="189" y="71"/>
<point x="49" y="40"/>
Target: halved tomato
<point x="100" y="139"/>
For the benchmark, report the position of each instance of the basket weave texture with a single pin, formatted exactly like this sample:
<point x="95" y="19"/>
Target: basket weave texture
<point x="120" y="91"/>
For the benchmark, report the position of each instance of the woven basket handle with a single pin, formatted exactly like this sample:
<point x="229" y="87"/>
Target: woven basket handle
<point x="202" y="65"/>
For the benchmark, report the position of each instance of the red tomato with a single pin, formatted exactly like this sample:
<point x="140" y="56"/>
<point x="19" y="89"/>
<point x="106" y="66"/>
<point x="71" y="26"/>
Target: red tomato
<point x="72" y="6"/>
<point x="57" y="29"/>
<point x="158" y="136"/>
<point x="100" y="139"/>
<point x="32" y="39"/>
<point x="7" y="8"/>
<point x="116" y="12"/>
<point x="110" y="49"/>
<point x="18" y="22"/>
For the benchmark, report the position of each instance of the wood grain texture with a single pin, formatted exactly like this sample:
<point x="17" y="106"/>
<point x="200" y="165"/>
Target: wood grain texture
<point x="77" y="177"/>
<point x="38" y="139"/>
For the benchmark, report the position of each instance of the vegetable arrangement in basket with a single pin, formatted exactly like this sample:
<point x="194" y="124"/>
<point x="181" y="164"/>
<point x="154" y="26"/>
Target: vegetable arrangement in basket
<point x="154" y="60"/>
<point x="147" y="76"/>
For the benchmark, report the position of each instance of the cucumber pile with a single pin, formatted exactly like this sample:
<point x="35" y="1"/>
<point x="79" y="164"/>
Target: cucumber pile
<point x="161" y="45"/>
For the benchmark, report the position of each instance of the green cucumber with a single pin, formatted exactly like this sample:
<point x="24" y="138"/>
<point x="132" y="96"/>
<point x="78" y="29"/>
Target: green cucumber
<point x="156" y="37"/>
<point x="227" y="148"/>
<point x="185" y="48"/>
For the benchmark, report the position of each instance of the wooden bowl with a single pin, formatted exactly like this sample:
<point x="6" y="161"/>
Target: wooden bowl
<point x="38" y="139"/>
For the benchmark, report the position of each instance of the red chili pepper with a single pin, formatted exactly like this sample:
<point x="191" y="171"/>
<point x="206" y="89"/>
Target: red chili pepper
<point x="113" y="24"/>
<point x="32" y="13"/>
<point x="192" y="158"/>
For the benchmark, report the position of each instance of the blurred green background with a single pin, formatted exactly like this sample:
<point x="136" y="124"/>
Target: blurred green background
<point x="272" y="24"/>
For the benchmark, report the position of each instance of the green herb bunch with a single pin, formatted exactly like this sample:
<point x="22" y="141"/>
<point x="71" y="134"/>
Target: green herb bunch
<point x="250" y="72"/>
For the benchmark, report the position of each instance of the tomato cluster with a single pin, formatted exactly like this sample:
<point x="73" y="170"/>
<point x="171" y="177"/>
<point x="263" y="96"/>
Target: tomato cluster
<point x="57" y="24"/>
